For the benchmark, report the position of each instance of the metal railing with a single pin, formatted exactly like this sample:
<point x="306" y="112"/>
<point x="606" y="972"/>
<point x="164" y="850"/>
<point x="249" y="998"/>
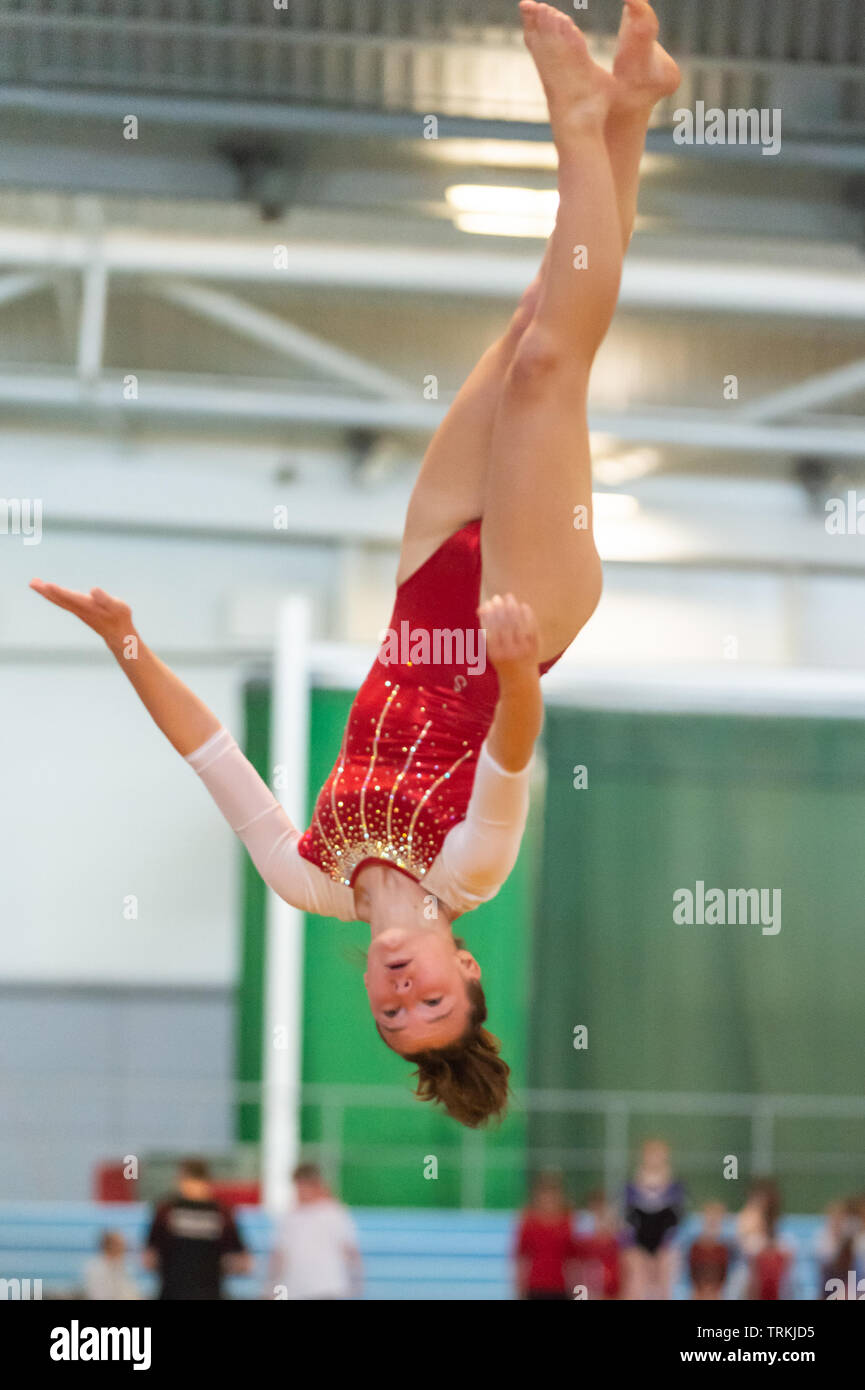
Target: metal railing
<point x="619" y="1111"/>
<point x="125" y="1114"/>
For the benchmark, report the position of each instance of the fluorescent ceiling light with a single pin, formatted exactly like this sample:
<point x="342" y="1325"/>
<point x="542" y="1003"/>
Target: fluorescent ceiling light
<point x="501" y="154"/>
<point x="494" y="210"/>
<point x="540" y="155"/>
<point x="488" y="224"/>
<point x="508" y="202"/>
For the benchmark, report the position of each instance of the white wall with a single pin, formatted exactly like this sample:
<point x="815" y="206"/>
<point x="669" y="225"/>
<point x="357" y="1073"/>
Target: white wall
<point x="98" y="808"/>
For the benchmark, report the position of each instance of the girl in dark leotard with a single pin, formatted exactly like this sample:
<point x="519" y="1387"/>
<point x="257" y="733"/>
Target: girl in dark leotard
<point x="654" y="1203"/>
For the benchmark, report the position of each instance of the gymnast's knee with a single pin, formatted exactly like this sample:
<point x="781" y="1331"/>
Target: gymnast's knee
<point x="573" y="608"/>
<point x="590" y="589"/>
<point x="586" y="592"/>
<point x="524" y="314"/>
<point x="540" y="362"/>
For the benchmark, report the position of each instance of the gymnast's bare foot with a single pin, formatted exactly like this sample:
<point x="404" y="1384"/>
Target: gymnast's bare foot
<point x="578" y="90"/>
<point x="644" y="72"/>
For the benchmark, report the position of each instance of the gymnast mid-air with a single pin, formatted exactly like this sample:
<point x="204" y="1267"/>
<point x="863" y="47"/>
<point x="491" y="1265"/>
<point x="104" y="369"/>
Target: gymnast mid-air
<point x="421" y="818"/>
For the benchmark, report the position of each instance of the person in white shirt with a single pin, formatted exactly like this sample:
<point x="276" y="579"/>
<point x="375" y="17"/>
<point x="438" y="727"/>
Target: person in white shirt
<point x="105" y="1276"/>
<point x="317" y="1255"/>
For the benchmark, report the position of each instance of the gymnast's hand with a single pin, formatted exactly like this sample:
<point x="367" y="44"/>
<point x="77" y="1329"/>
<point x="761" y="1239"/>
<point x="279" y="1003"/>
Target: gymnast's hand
<point x="512" y="647"/>
<point x="511" y="632"/>
<point x="110" y="617"/>
<point x="184" y="719"/>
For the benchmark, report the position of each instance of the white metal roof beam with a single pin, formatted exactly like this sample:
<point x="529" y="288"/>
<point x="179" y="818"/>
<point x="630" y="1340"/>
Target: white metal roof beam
<point x="16" y="285"/>
<point x="705" y="286"/>
<point x="817" y="390"/>
<point x="77" y="476"/>
<point x="244" y="406"/>
<point x="265" y="328"/>
<point x="292" y="118"/>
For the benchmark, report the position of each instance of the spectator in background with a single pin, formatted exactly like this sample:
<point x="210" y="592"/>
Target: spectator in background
<point x="758" y="1216"/>
<point x="769" y="1260"/>
<point x="770" y="1271"/>
<point x="601" y="1268"/>
<point x="709" y="1256"/>
<point x="106" y="1279"/>
<point x="752" y="1233"/>
<point x="193" y="1240"/>
<point x="654" y="1202"/>
<point x="837" y="1248"/>
<point x="317" y="1255"/>
<point x="546" y="1249"/>
<point x="857" y="1223"/>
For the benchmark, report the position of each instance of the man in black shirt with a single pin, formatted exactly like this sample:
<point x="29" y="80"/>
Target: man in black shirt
<point x="193" y="1239"/>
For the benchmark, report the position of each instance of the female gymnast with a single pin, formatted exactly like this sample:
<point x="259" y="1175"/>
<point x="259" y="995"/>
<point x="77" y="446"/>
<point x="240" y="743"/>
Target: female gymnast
<point x="422" y="816"/>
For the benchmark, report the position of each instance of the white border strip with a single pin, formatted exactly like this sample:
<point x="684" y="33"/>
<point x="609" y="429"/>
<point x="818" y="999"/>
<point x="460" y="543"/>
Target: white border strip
<point x="722" y="689"/>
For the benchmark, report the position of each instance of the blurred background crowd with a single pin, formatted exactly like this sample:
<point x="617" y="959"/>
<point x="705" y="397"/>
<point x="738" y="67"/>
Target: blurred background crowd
<point x="641" y="1244"/>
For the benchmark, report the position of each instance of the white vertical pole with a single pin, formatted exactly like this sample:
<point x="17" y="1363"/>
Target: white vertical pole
<point x="91" y="332"/>
<point x="283" y="1015"/>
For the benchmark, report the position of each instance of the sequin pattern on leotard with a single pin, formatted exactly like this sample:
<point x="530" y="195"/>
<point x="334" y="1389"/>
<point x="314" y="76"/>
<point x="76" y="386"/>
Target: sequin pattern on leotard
<point x="404" y="775"/>
<point x="401" y="782"/>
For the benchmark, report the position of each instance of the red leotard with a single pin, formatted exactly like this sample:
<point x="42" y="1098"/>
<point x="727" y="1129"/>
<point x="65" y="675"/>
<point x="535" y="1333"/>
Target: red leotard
<point x="404" y="775"/>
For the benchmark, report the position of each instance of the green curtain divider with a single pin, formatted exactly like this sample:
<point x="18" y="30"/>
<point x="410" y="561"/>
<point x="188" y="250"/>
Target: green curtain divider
<point x="249" y="998"/>
<point x="736" y="803"/>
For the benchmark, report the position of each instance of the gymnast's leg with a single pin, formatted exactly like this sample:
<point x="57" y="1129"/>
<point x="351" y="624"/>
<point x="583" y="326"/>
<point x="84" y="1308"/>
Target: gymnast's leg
<point x="644" y="74"/>
<point x="536" y="536"/>
<point x="451" y="486"/>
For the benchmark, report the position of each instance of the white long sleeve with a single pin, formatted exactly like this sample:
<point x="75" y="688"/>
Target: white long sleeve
<point x="257" y="818"/>
<point x="479" y="853"/>
<point x="475" y="859"/>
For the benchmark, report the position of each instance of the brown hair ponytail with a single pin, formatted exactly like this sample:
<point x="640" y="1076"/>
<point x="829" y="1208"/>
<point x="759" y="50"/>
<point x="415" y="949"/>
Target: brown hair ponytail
<point x="468" y="1078"/>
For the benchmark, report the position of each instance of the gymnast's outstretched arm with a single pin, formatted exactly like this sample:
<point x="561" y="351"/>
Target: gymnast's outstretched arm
<point x="246" y="802"/>
<point x="184" y="719"/>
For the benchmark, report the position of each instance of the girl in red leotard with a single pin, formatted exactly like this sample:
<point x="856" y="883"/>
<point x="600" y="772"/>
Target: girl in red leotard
<point x="421" y="818"/>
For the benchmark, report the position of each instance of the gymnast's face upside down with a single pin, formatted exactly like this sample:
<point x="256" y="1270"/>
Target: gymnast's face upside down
<point x="424" y="989"/>
<point x="417" y="987"/>
<point x="419" y="977"/>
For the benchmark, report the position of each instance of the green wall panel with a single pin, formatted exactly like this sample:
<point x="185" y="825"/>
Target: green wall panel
<point x="736" y="803"/>
<point x="250" y="993"/>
